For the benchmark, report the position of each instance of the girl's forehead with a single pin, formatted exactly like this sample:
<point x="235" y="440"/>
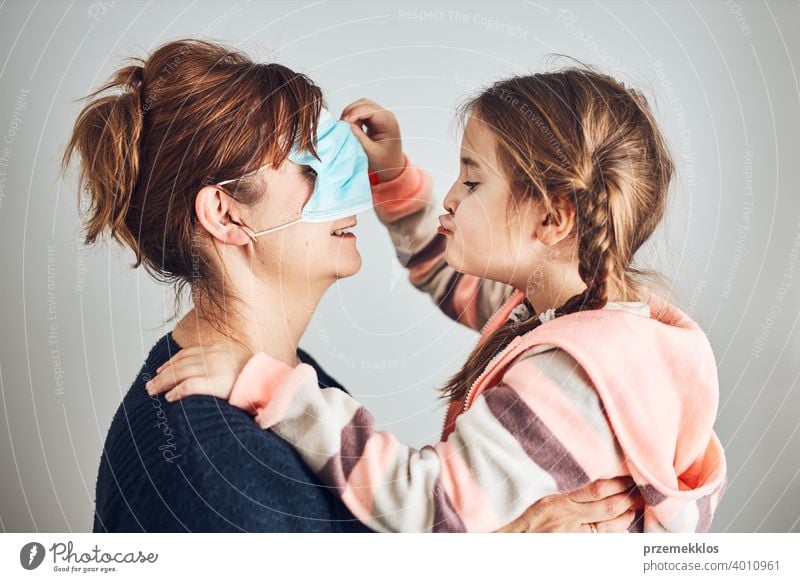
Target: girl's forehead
<point x="478" y="143"/>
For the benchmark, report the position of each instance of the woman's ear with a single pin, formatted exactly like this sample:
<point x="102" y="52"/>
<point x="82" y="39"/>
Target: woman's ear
<point x="555" y="225"/>
<point x="213" y="207"/>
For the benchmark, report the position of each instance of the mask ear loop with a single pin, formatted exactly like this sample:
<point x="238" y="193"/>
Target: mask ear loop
<point x="253" y="235"/>
<point x="249" y="233"/>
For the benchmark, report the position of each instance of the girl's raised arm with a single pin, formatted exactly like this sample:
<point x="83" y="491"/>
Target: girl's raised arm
<point x="405" y="206"/>
<point x="403" y="202"/>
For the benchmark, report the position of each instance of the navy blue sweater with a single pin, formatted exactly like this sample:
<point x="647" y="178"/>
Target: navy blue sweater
<point x="202" y="465"/>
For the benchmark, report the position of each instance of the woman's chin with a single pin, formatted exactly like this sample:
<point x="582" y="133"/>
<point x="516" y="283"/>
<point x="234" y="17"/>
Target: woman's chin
<point x="347" y="266"/>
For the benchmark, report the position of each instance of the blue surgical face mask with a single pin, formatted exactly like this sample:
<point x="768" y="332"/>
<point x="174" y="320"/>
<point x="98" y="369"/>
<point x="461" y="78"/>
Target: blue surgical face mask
<point x="341" y="186"/>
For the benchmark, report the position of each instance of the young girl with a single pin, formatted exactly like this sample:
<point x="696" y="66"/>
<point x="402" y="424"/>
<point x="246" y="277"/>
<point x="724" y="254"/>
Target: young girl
<point x="581" y="371"/>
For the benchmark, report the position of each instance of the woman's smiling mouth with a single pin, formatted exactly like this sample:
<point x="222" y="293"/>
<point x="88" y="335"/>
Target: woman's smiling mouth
<point x="343" y="230"/>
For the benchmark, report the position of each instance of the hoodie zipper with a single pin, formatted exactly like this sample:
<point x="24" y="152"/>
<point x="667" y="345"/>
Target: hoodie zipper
<point x="499" y="356"/>
<point x="491" y="363"/>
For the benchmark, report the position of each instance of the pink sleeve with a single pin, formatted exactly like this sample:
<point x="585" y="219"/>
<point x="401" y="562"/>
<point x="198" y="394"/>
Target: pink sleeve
<point x="406" y="206"/>
<point x="258" y="383"/>
<point x="405" y="194"/>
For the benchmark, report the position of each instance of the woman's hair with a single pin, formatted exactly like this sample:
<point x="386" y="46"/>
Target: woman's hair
<point x="192" y="113"/>
<point x="581" y="136"/>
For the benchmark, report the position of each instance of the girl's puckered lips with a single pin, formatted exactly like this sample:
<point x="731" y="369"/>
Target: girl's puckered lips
<point x="447" y="224"/>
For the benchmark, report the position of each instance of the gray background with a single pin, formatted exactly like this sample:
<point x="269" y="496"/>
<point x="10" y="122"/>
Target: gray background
<point x="77" y="323"/>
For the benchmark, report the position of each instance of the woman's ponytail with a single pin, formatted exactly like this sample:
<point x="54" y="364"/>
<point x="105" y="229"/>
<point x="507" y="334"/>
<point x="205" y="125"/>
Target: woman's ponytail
<point x="107" y="137"/>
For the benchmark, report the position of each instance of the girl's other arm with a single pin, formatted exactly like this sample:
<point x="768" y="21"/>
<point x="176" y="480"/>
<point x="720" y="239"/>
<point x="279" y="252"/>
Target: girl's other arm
<point x="482" y="476"/>
<point x="511" y="449"/>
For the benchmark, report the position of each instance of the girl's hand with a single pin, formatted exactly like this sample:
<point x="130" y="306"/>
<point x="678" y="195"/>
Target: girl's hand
<point x="381" y="140"/>
<point x="202" y="370"/>
<point x="610" y="504"/>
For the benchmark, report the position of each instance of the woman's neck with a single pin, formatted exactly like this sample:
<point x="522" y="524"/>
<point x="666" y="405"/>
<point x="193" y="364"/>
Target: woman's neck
<point x="267" y="320"/>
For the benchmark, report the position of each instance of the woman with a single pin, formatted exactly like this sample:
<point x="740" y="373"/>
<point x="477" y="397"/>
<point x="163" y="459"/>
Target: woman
<point x="189" y="165"/>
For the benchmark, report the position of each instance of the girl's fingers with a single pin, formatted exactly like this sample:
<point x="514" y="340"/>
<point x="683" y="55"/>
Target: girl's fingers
<point x="173" y="376"/>
<point x="363" y="113"/>
<point x="184" y="353"/>
<point x="170" y="366"/>
<point x="349" y="106"/>
<point x="197" y="365"/>
<point x="359" y="103"/>
<point x="194" y="386"/>
<point x="607" y="508"/>
<point x="349" y="112"/>
<point x="601" y="488"/>
<point x="618" y="524"/>
<point x="366" y="142"/>
<point x="176" y="393"/>
<point x="195" y="352"/>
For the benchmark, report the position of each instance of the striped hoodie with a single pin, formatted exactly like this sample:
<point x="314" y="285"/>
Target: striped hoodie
<point x="630" y="389"/>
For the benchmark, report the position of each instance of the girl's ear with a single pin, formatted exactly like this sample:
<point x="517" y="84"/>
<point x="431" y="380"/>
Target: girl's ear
<point x="555" y="225"/>
<point x="213" y="207"/>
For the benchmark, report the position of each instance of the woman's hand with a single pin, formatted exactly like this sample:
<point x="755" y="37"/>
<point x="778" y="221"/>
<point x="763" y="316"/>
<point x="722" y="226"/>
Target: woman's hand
<point x="381" y="140"/>
<point x="201" y="370"/>
<point x="610" y="504"/>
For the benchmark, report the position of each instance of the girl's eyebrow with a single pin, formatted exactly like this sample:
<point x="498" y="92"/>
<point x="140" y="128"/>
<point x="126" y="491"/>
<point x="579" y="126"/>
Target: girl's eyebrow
<point x="469" y="162"/>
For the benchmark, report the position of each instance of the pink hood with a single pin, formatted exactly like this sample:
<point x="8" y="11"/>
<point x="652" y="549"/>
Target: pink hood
<point x="657" y="378"/>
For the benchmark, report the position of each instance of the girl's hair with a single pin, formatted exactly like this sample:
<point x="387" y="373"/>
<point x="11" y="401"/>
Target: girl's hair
<point x="193" y="113"/>
<point x="579" y="135"/>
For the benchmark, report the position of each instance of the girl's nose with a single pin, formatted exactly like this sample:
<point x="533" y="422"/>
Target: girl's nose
<point x="451" y="201"/>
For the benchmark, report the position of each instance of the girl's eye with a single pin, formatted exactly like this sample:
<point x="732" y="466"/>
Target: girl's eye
<point x="471" y="185"/>
<point x="310" y="173"/>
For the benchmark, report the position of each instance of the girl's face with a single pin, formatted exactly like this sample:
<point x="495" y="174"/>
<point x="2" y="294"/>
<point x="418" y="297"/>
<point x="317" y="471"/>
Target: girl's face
<point x="488" y="234"/>
<point x="303" y="254"/>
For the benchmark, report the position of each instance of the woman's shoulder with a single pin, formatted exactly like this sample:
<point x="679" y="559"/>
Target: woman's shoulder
<point x="149" y="423"/>
<point x="192" y="422"/>
<point x="207" y="460"/>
